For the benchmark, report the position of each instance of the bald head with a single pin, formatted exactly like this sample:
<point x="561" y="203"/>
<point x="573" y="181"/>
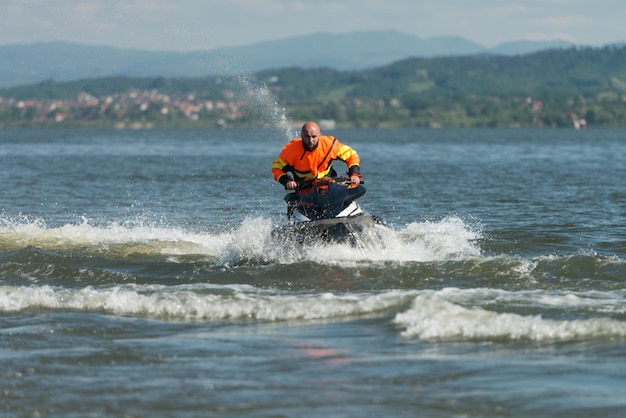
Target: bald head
<point x="310" y="135"/>
<point x="310" y="125"/>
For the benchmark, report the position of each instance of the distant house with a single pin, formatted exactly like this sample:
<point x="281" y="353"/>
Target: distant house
<point x="327" y="124"/>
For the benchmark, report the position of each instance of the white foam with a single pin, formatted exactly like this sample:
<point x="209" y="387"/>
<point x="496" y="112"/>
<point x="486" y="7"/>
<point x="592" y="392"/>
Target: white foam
<point x="195" y="303"/>
<point x="251" y="241"/>
<point x="120" y="238"/>
<point x="443" y="315"/>
<point x="447" y="239"/>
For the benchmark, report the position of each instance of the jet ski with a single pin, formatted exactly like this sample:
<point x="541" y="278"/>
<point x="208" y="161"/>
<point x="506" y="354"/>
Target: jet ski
<point x="326" y="210"/>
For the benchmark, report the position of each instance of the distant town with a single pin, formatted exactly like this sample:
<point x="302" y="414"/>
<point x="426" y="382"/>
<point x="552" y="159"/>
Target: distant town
<point x="135" y="109"/>
<point x="147" y="109"/>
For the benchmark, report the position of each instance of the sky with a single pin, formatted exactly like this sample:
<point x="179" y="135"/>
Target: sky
<point x="185" y="25"/>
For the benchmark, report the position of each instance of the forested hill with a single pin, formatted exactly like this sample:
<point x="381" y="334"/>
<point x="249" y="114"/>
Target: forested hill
<point x="584" y="71"/>
<point x="590" y="78"/>
<point x="62" y="61"/>
<point x="581" y="71"/>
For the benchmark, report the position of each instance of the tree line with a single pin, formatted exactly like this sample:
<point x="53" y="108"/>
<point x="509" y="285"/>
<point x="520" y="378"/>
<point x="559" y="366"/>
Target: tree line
<point x="552" y="88"/>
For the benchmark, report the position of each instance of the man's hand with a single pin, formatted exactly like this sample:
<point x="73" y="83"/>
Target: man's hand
<point x="291" y="185"/>
<point x="356" y="180"/>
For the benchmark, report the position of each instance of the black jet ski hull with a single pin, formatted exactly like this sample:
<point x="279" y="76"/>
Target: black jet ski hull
<point x="345" y="230"/>
<point x="327" y="212"/>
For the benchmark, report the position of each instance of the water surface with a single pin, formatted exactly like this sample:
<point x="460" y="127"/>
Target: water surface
<point x="139" y="277"/>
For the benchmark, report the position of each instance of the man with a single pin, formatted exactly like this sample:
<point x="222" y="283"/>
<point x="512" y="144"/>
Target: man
<point x="311" y="157"/>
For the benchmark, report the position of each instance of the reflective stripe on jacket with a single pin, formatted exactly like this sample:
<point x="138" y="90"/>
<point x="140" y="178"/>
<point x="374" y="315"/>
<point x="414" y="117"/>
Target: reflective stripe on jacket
<point x="309" y="165"/>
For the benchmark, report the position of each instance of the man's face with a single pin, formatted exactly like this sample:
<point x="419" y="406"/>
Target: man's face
<point x="310" y="138"/>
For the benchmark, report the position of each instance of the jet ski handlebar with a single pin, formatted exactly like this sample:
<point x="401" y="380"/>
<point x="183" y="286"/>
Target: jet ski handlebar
<point x="341" y="181"/>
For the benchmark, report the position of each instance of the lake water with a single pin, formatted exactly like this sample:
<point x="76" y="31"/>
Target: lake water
<point x="139" y="277"/>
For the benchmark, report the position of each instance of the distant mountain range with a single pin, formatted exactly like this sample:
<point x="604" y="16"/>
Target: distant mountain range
<point x="60" y="61"/>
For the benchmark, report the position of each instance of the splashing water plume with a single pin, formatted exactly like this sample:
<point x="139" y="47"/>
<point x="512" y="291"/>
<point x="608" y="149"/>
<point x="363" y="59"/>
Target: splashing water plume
<point x="265" y="104"/>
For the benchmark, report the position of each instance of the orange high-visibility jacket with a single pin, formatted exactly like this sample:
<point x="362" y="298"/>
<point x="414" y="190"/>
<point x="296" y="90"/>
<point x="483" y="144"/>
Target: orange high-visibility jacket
<point x="309" y="165"/>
